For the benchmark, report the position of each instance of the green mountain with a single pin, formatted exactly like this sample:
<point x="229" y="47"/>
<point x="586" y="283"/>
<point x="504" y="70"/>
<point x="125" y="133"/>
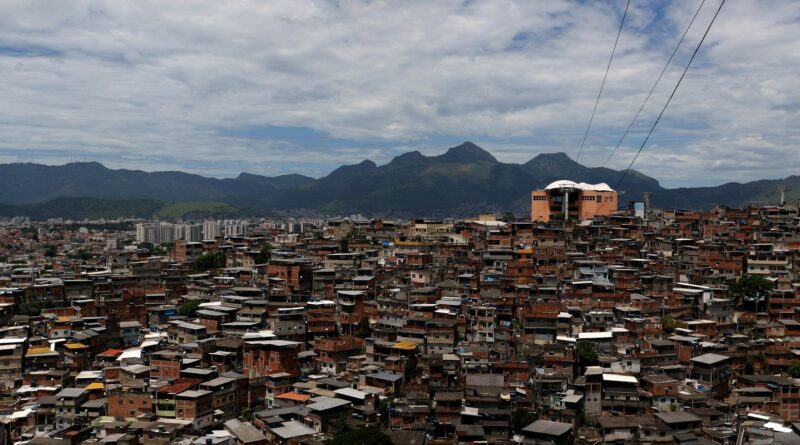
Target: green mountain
<point x="29" y="183"/>
<point x="96" y="208"/>
<point x="80" y="208"/>
<point x="464" y="180"/>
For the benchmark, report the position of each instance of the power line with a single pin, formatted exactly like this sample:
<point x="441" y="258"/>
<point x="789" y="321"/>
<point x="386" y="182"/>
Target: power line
<point x="608" y="67"/>
<point x="625" y="173"/>
<point x="654" y="85"/>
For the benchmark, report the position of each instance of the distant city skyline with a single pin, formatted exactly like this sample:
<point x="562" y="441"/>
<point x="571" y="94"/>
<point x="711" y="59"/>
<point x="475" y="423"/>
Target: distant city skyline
<point x="218" y="88"/>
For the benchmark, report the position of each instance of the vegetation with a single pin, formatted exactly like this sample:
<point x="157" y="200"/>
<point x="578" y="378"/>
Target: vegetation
<point x="31" y="232"/>
<point x="521" y="418"/>
<point x="264" y="255"/>
<point x="339" y="425"/>
<point x="81" y="254"/>
<point x="752" y="290"/>
<point x="81" y="208"/>
<point x="794" y="370"/>
<point x="157" y="249"/>
<point x="363" y="328"/>
<point x="32" y="309"/>
<point x="209" y="261"/>
<point x="50" y="251"/>
<point x="361" y="436"/>
<point x="383" y="409"/>
<point x="586" y="353"/>
<point x="196" y="210"/>
<point x="750" y="366"/>
<point x="668" y="325"/>
<point x="189" y="308"/>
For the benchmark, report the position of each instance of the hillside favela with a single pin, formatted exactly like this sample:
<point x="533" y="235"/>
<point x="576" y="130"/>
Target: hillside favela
<point x="400" y="223"/>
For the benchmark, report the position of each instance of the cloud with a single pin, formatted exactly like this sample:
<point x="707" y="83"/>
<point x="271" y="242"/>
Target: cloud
<point x="304" y="86"/>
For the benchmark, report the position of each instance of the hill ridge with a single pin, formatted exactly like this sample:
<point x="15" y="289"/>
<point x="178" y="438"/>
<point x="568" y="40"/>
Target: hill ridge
<point x="463" y="180"/>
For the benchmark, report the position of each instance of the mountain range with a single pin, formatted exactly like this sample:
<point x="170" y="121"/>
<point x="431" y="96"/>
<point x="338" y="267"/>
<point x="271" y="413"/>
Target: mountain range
<point x="463" y="181"/>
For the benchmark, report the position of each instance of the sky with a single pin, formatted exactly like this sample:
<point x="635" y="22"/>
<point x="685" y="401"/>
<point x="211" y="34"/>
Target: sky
<point x="296" y="86"/>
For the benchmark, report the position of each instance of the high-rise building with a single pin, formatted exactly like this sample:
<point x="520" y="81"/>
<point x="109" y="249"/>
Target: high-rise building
<point x="210" y="229"/>
<point x="234" y="229"/>
<point x="155" y="233"/>
<point x="189" y="232"/>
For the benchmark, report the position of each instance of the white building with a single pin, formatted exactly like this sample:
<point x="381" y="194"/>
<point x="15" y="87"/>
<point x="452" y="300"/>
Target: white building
<point x="210" y="229"/>
<point x="155" y="233"/>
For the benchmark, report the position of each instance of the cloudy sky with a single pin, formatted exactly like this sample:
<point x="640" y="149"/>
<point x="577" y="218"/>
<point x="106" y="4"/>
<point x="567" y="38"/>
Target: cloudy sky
<point x="217" y="88"/>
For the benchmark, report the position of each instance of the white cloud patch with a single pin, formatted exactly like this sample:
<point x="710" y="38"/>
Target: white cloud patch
<point x="176" y="85"/>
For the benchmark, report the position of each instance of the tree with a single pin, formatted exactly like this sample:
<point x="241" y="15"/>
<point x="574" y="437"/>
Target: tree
<point x="189" y="308"/>
<point x="363" y="328"/>
<point x="750" y="366"/>
<point x="753" y="291"/>
<point x="33" y="309"/>
<point x="794" y="370"/>
<point x="384" y="407"/>
<point x="339" y="425"/>
<point x="668" y="325"/>
<point x="264" y="255"/>
<point x="209" y="261"/>
<point x="50" y="251"/>
<point x="586" y="353"/>
<point x="361" y="436"/>
<point x="82" y="255"/>
<point x="508" y="216"/>
<point x="521" y="418"/>
<point x="156" y="249"/>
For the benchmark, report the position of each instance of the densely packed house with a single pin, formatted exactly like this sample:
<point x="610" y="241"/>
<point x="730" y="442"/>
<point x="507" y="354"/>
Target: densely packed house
<point x="672" y="327"/>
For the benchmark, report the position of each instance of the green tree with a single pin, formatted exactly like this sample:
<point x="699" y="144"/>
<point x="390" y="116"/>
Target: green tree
<point x="50" y="251"/>
<point x="508" y="216"/>
<point x="339" y="426"/>
<point x="794" y="370"/>
<point x="361" y="436"/>
<point x="363" y="328"/>
<point x="521" y="418"/>
<point x="668" y="325"/>
<point x="81" y="254"/>
<point x="752" y="290"/>
<point x="189" y="308"/>
<point x="264" y="255"/>
<point x="384" y="407"/>
<point x="586" y="353"/>
<point x="209" y="261"/>
<point x="156" y="249"/>
<point x="750" y="366"/>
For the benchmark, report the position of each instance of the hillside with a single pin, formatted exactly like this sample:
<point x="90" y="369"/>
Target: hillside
<point x="464" y="180"/>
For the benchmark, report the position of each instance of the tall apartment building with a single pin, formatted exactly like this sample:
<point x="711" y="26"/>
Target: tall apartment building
<point x="189" y="232"/>
<point x="234" y="229"/>
<point x="210" y="229"/>
<point x="570" y="200"/>
<point x="156" y="233"/>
